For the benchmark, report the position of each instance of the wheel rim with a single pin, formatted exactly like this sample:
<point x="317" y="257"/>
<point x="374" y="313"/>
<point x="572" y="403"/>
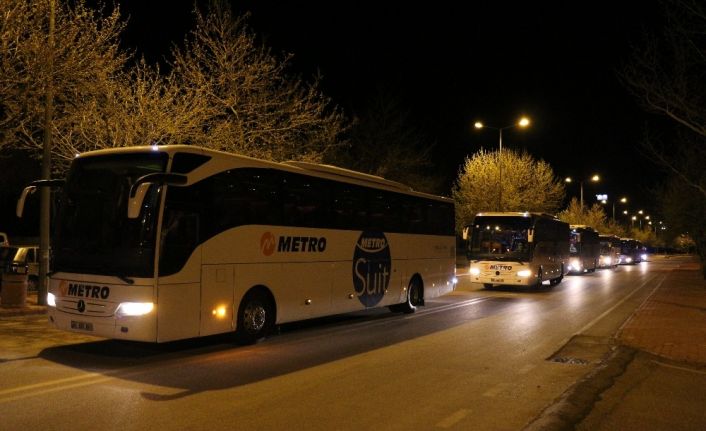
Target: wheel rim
<point x="254" y="317"/>
<point x="414" y="294"/>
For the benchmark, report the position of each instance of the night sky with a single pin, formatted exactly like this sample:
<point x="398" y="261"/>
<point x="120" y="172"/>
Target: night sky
<point x="452" y="63"/>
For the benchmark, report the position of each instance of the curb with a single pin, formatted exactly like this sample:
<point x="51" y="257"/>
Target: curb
<point x="577" y="401"/>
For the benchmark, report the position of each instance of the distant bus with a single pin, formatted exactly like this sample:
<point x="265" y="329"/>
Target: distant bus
<point x="610" y="251"/>
<point x="523" y="249"/>
<point x="631" y="251"/>
<point x="584" y="249"/>
<point x="172" y="242"/>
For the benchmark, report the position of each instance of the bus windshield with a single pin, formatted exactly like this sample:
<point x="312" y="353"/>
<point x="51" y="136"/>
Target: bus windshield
<point x="500" y="238"/>
<point x="92" y="233"/>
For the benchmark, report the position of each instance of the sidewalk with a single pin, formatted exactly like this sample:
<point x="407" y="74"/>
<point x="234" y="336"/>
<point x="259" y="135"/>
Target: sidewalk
<point x="672" y="322"/>
<point x="30" y="308"/>
<point x="655" y="379"/>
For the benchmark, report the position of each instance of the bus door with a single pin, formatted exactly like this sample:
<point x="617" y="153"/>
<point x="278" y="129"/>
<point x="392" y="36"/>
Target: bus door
<point x="179" y="293"/>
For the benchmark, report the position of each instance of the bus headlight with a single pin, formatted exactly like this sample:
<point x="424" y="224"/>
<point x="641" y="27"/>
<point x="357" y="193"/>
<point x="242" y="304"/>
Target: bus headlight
<point x="524" y="273"/>
<point x="51" y="300"/>
<point x="474" y="271"/>
<point x="643" y="256"/>
<point x="575" y="264"/>
<point x="607" y="260"/>
<point x="134" y="309"/>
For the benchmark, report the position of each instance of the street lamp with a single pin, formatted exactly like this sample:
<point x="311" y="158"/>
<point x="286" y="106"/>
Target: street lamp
<point x="594" y="178"/>
<point x="623" y="200"/>
<point x="523" y="122"/>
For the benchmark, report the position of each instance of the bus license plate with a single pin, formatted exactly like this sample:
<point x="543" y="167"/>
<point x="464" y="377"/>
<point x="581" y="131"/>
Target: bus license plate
<point x="497" y="280"/>
<point x="83" y="326"/>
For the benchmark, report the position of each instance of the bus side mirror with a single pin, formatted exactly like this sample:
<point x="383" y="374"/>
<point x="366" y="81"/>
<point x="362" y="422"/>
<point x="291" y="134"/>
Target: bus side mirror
<point x="464" y="233"/>
<point x="530" y="235"/>
<point x="31" y="188"/>
<point x="138" y="191"/>
<point x="19" y="210"/>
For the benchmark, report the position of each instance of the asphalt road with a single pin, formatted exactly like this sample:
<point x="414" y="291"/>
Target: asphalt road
<point x="475" y="359"/>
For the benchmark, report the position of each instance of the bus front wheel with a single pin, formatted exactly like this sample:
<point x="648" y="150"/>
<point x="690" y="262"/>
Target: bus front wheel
<point x="256" y="317"/>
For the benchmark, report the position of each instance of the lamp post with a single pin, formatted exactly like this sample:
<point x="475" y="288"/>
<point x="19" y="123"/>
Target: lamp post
<point x="522" y="123"/>
<point x="594" y="178"/>
<point x="623" y="200"/>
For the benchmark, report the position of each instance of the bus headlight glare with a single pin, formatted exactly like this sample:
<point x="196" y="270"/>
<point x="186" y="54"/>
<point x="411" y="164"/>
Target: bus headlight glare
<point x="475" y="271"/>
<point x="524" y="273"/>
<point x="607" y="260"/>
<point x="134" y="308"/>
<point x="51" y="300"/>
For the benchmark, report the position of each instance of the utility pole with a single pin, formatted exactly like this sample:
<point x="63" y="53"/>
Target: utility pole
<point x="45" y="192"/>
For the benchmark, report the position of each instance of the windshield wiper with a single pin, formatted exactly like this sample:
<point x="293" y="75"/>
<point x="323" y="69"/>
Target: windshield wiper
<point x="127" y="280"/>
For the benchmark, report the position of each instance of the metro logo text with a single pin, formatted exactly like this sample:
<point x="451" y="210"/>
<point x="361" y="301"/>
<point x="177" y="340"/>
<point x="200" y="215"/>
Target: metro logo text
<point x="88" y="291"/>
<point x="301" y="244"/>
<point x="501" y="267"/>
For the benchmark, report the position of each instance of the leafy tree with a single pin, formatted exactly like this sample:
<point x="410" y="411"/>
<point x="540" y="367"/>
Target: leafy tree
<point x="252" y="106"/>
<point x="528" y="185"/>
<point x="593" y="216"/>
<point x="385" y="141"/>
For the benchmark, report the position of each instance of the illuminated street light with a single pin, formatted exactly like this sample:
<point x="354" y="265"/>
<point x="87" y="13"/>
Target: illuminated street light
<point x="594" y="178"/>
<point x="522" y="123"/>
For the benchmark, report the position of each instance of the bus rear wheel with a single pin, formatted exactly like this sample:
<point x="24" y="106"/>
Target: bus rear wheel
<point x="256" y="317"/>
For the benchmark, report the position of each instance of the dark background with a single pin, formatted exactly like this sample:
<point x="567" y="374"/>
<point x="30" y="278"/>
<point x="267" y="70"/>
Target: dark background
<point x="452" y="63"/>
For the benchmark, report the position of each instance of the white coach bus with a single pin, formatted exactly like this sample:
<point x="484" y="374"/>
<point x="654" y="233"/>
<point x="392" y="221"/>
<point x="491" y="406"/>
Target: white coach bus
<point x="172" y="242"/>
<point x="511" y="248"/>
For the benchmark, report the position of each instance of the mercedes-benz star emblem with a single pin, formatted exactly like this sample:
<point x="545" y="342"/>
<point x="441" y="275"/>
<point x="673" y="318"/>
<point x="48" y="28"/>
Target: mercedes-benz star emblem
<point x="81" y="306"/>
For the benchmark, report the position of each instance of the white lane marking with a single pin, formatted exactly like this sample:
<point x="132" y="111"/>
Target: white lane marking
<point x="495" y="390"/>
<point x="453" y="419"/>
<point x="526" y="369"/>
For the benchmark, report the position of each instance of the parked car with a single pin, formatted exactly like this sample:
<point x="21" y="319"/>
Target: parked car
<point x="25" y="261"/>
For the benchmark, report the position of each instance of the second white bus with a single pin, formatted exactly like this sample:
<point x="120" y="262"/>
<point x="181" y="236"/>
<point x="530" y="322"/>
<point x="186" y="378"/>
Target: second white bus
<point x="522" y="249"/>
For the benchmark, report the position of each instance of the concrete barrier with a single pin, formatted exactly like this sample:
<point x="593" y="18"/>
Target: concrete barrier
<point x="14" y="290"/>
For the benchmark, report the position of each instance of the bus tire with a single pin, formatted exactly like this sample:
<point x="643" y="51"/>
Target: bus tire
<point x="540" y="278"/>
<point x="256" y="317"/>
<point x="415" y="297"/>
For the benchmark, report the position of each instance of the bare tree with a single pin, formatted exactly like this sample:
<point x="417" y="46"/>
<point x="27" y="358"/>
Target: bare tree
<point x="667" y="75"/>
<point x="86" y="61"/>
<point x="254" y="108"/>
<point x="528" y="185"/>
<point x="385" y="141"/>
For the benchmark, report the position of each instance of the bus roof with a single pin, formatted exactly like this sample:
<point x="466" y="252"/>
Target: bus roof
<point x="312" y="169"/>
<point x="515" y="214"/>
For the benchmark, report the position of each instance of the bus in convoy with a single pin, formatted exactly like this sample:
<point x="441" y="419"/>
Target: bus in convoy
<point x="584" y="249"/>
<point x="162" y="243"/>
<point x="514" y="248"/>
<point x="610" y="251"/>
<point x="631" y="251"/>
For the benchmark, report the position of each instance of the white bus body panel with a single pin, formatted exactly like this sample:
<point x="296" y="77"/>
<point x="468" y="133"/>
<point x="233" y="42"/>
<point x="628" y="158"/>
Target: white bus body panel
<point x="204" y="296"/>
<point x="100" y="296"/>
<point x="506" y="273"/>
